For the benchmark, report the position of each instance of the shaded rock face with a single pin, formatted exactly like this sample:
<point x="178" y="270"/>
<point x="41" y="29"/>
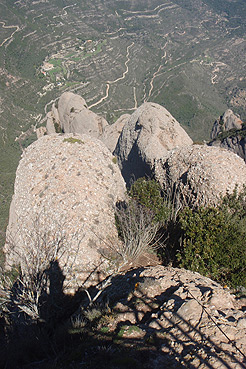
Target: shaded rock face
<point x="66" y="184"/>
<point x="202" y="173"/>
<point x="73" y="116"/>
<point x="226" y="122"/>
<point x="148" y="135"/>
<point x="236" y="144"/>
<point x="234" y="141"/>
<point x="112" y="132"/>
<point x="181" y="313"/>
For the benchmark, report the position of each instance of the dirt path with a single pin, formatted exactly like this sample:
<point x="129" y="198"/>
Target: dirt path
<point x="156" y="73"/>
<point x="116" y="80"/>
<point x="12" y="34"/>
<point x="135" y="98"/>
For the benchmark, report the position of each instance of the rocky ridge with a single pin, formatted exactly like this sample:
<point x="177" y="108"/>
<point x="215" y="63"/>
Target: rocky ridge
<point x="226" y="122"/>
<point x="229" y="132"/>
<point x="73" y="116"/>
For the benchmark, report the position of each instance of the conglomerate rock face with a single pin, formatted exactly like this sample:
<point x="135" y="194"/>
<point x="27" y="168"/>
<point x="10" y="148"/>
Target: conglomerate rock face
<point x="202" y="173"/>
<point x="68" y="183"/>
<point x="148" y="135"/>
<point x="191" y="320"/>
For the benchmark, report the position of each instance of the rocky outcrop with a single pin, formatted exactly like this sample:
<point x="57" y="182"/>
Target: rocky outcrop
<point x="190" y="320"/>
<point x="230" y="133"/>
<point x="112" y="132"/>
<point x="66" y="187"/>
<point x="235" y="143"/>
<point x="202" y="173"/>
<point x="226" y="122"/>
<point x="148" y="135"/>
<point x="73" y="116"/>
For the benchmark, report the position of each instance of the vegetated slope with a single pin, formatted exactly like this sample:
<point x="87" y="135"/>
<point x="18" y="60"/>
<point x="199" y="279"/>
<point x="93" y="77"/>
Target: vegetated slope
<point x="183" y="54"/>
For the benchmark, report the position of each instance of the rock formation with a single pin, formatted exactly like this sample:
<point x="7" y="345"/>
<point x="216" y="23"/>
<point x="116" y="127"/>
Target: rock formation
<point x="67" y="184"/>
<point x="63" y="206"/>
<point x="112" y="132"/>
<point x="230" y="133"/>
<point x="189" y="319"/>
<point x="226" y="122"/>
<point x="148" y="135"/>
<point x="235" y="143"/>
<point x="202" y="173"/>
<point x="73" y="116"/>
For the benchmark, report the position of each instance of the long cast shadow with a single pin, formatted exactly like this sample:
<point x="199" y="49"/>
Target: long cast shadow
<point x="172" y="342"/>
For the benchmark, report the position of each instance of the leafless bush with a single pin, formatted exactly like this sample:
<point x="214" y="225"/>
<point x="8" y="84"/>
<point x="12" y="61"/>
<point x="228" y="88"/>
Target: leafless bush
<point x="38" y="270"/>
<point x="137" y="229"/>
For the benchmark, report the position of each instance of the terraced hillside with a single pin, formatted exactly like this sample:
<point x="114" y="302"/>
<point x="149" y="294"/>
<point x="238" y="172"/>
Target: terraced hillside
<point x="187" y="55"/>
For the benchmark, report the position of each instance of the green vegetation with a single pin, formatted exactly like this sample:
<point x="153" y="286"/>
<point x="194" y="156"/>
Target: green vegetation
<point x="128" y="330"/>
<point x="149" y="194"/>
<point x="114" y="160"/>
<point x="208" y="240"/>
<point x="240" y="133"/>
<point x="73" y="140"/>
<point x="213" y="244"/>
<point x="55" y="62"/>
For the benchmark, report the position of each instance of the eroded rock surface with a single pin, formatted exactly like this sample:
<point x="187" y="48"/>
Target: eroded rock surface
<point x="112" y="132"/>
<point x="230" y="133"/>
<point x="226" y="122"/>
<point x="148" y="135"/>
<point x="203" y="173"/>
<point x="66" y="186"/>
<point x="187" y="320"/>
<point x="73" y="116"/>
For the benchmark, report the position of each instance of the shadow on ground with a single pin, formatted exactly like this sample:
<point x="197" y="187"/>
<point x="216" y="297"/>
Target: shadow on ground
<point x="125" y="328"/>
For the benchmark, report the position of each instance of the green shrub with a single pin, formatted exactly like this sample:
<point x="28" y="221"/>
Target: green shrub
<point x="214" y="244"/>
<point x="57" y="127"/>
<point x="149" y="194"/>
<point x="208" y="240"/>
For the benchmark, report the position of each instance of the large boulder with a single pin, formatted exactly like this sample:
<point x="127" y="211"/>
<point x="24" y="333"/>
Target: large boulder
<point x="148" y="135"/>
<point x="202" y="173"/>
<point x="73" y="116"/>
<point x="65" y="191"/>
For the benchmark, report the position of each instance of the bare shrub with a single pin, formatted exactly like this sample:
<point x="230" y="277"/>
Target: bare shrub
<point x="137" y="229"/>
<point x="38" y="262"/>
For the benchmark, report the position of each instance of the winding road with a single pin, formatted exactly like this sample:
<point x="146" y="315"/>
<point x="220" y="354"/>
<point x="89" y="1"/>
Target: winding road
<point x="156" y="74"/>
<point x="108" y="83"/>
<point x="12" y="34"/>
